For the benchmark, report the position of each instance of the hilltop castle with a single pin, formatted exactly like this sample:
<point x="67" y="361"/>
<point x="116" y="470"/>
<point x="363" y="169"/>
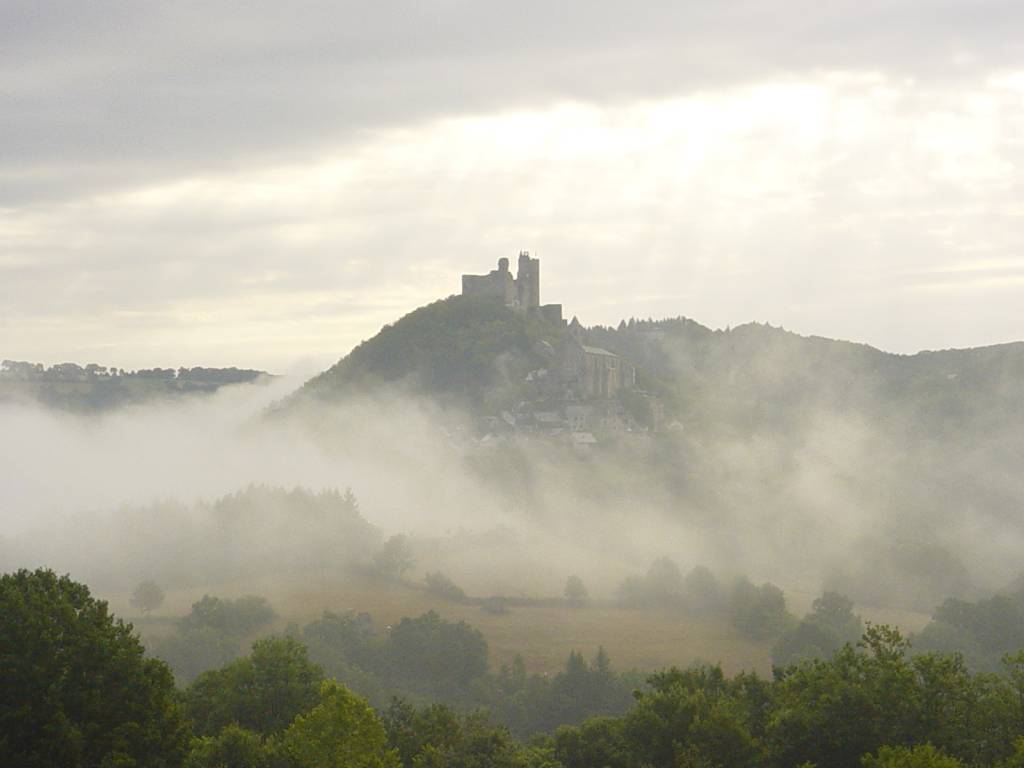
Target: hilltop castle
<point x="588" y="372"/>
<point x="521" y="292"/>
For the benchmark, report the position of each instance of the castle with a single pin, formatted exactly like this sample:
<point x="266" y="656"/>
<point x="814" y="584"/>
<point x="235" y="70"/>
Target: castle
<point x="588" y="372"/>
<point x="521" y="292"/>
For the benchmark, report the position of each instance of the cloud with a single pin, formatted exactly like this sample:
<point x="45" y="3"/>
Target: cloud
<point x="808" y="203"/>
<point x="111" y="93"/>
<point x="196" y="183"/>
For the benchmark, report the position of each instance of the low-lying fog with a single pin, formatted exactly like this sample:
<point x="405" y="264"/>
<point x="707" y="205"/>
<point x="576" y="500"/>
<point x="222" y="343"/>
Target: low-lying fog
<point x="124" y="496"/>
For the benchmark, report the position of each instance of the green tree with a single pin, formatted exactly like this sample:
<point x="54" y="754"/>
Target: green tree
<point x="262" y="692"/>
<point x="231" y="618"/>
<point x="147" y="597"/>
<point x="440" y="656"/>
<point x="921" y="756"/>
<point x="831" y="713"/>
<point x="233" y="747"/>
<point x="759" y="612"/>
<point x="598" y="741"/>
<point x="341" y="731"/>
<point x="75" y="687"/>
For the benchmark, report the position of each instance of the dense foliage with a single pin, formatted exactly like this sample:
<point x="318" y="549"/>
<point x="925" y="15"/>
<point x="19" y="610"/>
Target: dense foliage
<point x="75" y="688"/>
<point x="983" y="631"/>
<point x="77" y="691"/>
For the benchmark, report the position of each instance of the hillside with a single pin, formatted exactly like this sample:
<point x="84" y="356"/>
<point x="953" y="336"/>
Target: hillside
<point x="465" y="351"/>
<point x="899" y="473"/>
<point x="757" y="376"/>
<point x="476" y="353"/>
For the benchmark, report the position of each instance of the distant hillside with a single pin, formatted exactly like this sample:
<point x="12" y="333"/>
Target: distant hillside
<point x="72" y="387"/>
<point x="756" y="376"/>
<point x="477" y="353"/>
<point x="461" y="350"/>
<point x="780" y="437"/>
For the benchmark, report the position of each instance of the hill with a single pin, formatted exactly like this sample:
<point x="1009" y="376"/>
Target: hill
<point x="892" y="478"/>
<point x="91" y="388"/>
<point x="467" y="351"/>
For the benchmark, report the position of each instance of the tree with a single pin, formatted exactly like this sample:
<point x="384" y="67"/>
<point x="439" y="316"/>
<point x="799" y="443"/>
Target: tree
<point x="262" y="692"/>
<point x="342" y="731"/>
<point x="231" y="618"/>
<point x="75" y="686"/>
<point x="576" y="592"/>
<point x="830" y="624"/>
<point x="394" y="558"/>
<point x="147" y="597"/>
<point x="759" y="612"/>
<point x="233" y="747"/>
<point x="442" y="656"/>
<point x="921" y="756"/>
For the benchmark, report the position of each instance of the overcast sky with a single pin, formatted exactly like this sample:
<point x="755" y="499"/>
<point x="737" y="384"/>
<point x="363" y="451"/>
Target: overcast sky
<point x="265" y="184"/>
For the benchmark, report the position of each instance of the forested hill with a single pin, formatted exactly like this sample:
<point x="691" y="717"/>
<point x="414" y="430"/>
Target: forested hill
<point x="761" y="377"/>
<point x="92" y="387"/>
<point x="461" y="350"/>
<point x="477" y="353"/>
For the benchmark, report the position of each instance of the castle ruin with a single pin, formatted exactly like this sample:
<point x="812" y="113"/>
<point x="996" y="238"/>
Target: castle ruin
<point x="521" y="292"/>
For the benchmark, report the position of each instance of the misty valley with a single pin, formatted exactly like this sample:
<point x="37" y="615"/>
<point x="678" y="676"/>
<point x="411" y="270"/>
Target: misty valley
<point x="491" y="536"/>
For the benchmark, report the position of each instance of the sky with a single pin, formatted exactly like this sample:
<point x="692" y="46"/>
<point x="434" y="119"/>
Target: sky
<point x="266" y="184"/>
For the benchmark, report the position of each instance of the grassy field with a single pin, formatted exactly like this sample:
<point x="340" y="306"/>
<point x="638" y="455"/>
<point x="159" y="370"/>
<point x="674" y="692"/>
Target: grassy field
<point x="543" y="634"/>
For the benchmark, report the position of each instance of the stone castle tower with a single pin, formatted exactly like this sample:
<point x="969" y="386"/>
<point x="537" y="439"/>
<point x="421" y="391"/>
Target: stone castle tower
<point x="521" y="292"/>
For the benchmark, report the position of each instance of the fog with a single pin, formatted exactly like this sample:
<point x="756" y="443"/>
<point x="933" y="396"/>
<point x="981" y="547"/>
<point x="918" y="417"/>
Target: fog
<point x="833" y="500"/>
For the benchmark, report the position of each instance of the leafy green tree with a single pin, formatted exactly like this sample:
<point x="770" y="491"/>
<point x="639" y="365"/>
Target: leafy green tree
<point x="692" y="717"/>
<point x="598" y="741"/>
<point x="341" y="731"/>
<point x="147" y="597"/>
<point x="262" y="692"/>
<point x="436" y="655"/>
<point x="834" y="612"/>
<point x="75" y="687"/>
<point x="435" y="735"/>
<point x="831" y="713"/>
<point x="921" y="756"/>
<point x="232" y="618"/>
<point x="759" y="612"/>
<point x="233" y="747"/>
<point x="830" y="624"/>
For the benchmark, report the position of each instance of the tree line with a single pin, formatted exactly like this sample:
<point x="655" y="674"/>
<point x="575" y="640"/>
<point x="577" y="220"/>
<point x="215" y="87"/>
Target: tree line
<point x="78" y="690"/>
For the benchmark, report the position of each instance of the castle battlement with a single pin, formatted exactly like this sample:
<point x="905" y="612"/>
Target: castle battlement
<point x="521" y="292"/>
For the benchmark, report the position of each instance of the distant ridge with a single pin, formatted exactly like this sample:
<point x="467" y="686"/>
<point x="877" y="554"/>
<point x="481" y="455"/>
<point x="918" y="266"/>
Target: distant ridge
<point x="73" y="387"/>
